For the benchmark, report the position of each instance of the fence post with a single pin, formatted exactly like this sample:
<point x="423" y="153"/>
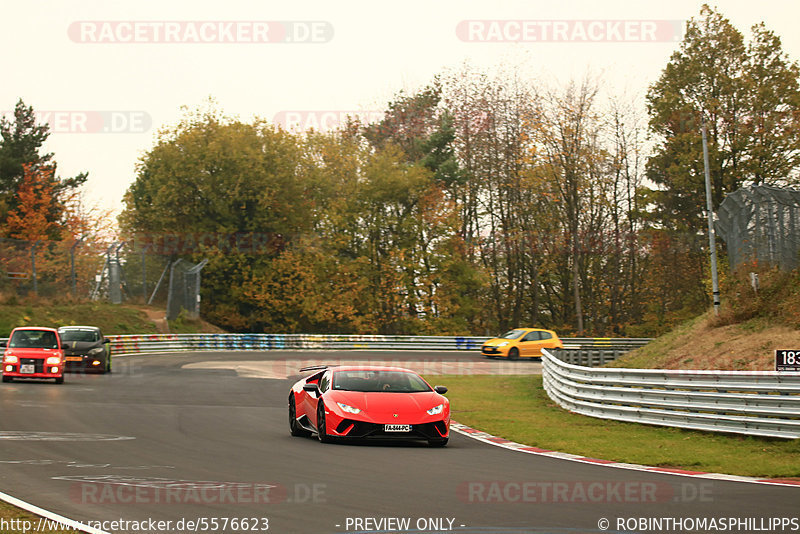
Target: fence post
<point x="144" y="273"/>
<point x="33" y="267"/>
<point x="73" y="276"/>
<point x="114" y="293"/>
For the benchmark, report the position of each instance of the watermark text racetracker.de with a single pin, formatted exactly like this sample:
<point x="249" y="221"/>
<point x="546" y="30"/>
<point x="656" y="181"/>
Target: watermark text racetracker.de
<point x="324" y="120"/>
<point x="569" y="31"/>
<point x="587" y="491"/>
<point x="200" y="32"/>
<point x="91" y="121"/>
<point x="120" y="489"/>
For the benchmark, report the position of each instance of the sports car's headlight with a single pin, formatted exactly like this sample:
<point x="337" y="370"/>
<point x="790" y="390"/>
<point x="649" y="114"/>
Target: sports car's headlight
<point x="96" y="350"/>
<point x="53" y="360"/>
<point x="11" y="359"/>
<point x="503" y="344"/>
<point x="436" y="410"/>
<point x="347" y="408"/>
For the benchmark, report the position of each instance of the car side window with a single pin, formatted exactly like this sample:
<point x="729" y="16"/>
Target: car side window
<point x="324" y="382"/>
<point x="532" y="336"/>
<point x="546" y="335"/>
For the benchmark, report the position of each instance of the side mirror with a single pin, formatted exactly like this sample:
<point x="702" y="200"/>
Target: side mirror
<point x="441" y="390"/>
<point x="311" y="388"/>
<point x="106" y="340"/>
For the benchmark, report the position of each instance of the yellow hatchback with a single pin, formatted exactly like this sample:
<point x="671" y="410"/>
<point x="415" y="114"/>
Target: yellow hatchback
<point x="521" y="343"/>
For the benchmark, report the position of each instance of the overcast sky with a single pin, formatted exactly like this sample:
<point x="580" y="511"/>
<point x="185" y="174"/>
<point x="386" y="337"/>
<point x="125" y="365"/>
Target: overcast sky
<point x="108" y="74"/>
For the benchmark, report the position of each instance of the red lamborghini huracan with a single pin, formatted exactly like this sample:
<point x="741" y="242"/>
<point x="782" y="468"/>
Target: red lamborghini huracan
<point x="368" y="401"/>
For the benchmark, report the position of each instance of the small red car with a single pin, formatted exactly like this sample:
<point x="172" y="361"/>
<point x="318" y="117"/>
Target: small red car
<point x="33" y="352"/>
<point x="369" y="401"/>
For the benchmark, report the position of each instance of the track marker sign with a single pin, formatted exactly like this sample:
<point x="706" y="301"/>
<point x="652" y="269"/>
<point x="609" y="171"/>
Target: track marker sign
<point x="787" y="360"/>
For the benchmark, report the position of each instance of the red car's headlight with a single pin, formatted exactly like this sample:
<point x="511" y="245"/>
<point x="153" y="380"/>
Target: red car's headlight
<point x="436" y="410"/>
<point x="11" y="359"/>
<point x="53" y="360"/>
<point x="347" y="408"/>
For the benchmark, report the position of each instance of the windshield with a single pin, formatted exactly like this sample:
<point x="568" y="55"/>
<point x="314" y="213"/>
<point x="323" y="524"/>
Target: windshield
<point x="33" y="339"/>
<point x="79" y="335"/>
<point x="383" y="381"/>
<point x="512" y="334"/>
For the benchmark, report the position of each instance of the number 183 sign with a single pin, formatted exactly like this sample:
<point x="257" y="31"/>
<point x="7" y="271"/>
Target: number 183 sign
<point x="787" y="360"/>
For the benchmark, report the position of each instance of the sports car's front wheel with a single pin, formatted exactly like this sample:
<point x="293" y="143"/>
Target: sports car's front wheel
<point x="513" y="354"/>
<point x="294" y="428"/>
<point x="322" y="429"/>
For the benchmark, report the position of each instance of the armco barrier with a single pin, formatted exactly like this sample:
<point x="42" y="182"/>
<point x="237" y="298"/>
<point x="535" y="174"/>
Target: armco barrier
<point x="589" y="357"/>
<point x="264" y="342"/>
<point x="122" y="344"/>
<point x="756" y="403"/>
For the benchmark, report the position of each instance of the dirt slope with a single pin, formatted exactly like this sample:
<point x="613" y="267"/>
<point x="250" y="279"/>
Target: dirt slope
<point x="701" y="344"/>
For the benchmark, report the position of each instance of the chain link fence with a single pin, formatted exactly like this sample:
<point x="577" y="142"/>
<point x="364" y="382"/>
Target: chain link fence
<point x="93" y="270"/>
<point x="184" y="289"/>
<point x="49" y="268"/>
<point x="761" y="223"/>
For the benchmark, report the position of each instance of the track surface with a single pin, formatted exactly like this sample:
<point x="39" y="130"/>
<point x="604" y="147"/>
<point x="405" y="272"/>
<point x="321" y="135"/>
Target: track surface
<point x="194" y="429"/>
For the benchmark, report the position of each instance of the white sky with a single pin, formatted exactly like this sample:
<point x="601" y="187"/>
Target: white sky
<point x="377" y="49"/>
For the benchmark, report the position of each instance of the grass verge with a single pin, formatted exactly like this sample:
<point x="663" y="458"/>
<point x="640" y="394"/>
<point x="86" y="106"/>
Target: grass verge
<point x="10" y="513"/>
<point x="517" y="408"/>
<point x="112" y="319"/>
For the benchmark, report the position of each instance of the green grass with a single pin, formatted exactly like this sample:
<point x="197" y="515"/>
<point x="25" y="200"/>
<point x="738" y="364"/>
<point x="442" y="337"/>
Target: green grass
<point x="11" y="513"/>
<point x="517" y="408"/>
<point x="112" y="319"/>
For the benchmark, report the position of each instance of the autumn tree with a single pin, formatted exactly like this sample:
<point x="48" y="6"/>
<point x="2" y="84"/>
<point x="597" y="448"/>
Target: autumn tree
<point x="747" y="92"/>
<point x="21" y="142"/>
<point x="214" y="175"/>
<point x="33" y="203"/>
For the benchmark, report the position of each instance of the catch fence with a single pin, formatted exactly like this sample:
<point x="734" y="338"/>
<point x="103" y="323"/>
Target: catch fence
<point x="761" y="223"/>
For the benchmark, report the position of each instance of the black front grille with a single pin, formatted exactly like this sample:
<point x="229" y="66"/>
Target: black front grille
<point x="374" y="430"/>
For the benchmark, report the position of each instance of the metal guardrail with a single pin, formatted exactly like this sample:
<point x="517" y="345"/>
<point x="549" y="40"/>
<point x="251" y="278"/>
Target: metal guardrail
<point x="264" y="342"/>
<point x="628" y="343"/>
<point x="588" y="357"/>
<point x="121" y="344"/>
<point x="756" y="403"/>
<point x="599" y="350"/>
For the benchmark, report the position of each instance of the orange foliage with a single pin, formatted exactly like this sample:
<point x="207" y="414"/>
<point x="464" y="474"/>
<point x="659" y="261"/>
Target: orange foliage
<point x="29" y="220"/>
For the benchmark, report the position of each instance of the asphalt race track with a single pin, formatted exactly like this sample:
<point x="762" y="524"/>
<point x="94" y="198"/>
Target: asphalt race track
<point x="182" y="437"/>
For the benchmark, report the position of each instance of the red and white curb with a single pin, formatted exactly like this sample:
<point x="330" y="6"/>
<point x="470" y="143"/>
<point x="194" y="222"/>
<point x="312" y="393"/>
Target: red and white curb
<point x="485" y="437"/>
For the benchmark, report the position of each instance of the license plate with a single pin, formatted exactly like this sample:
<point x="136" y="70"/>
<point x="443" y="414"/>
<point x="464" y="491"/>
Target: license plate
<point x="74" y="358"/>
<point x="397" y="428"/>
<point x="27" y="368"/>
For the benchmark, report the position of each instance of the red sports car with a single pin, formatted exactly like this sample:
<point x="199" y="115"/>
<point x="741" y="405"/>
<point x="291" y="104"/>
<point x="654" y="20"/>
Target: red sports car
<point x="357" y="402"/>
